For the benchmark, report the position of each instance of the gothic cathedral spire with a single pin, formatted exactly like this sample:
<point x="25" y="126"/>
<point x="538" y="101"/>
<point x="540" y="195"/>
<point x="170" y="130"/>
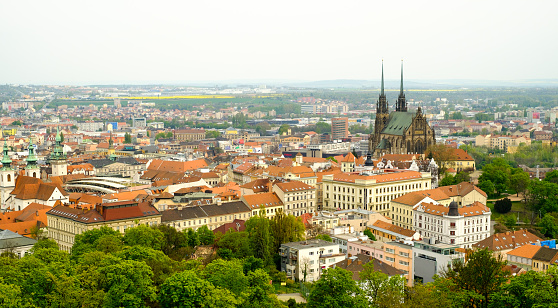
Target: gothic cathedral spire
<point x="401" y="102"/>
<point x="382" y="105"/>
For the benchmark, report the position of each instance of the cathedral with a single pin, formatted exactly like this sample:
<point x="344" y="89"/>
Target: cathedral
<point x="401" y="131"/>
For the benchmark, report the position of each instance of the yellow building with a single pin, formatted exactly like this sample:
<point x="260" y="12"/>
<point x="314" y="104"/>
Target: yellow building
<point x="65" y="222"/>
<point x="298" y="198"/>
<point x="544" y="258"/>
<point x="370" y="192"/>
<point x="268" y="202"/>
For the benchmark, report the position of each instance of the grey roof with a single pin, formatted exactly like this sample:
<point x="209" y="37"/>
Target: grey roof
<point x="204" y="211"/>
<point x="545" y="254"/>
<point x="9" y="239"/>
<point x="313" y="243"/>
<point x="100" y="163"/>
<point x="357" y="263"/>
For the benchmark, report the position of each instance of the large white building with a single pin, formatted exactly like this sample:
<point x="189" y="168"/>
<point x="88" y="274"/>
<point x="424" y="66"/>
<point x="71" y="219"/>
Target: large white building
<point x="298" y="198"/>
<point x="307" y="259"/>
<point x="461" y="226"/>
<point x="371" y="192"/>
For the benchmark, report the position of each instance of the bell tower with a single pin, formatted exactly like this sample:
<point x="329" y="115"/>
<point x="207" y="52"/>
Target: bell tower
<point x="7" y="178"/>
<point x="58" y="161"/>
<point x="32" y="169"/>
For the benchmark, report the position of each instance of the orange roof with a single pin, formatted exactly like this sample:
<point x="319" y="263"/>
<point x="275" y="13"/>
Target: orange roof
<point x="525" y="251"/>
<point x="474" y="209"/>
<point x="393" y="228"/>
<point x="125" y="195"/>
<point x="177" y="166"/>
<point x="413" y="198"/>
<point x="461" y="189"/>
<point x="460" y="154"/>
<point x="508" y="240"/>
<point x="333" y="170"/>
<point x="86" y="167"/>
<point x="264" y="199"/>
<point x="293" y="186"/>
<point x="22" y="228"/>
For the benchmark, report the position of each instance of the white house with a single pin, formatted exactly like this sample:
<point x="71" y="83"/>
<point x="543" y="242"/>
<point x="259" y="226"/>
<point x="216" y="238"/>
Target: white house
<point x="462" y="226"/>
<point x="306" y="260"/>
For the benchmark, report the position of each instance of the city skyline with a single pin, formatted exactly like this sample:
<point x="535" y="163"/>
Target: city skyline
<point x="180" y="43"/>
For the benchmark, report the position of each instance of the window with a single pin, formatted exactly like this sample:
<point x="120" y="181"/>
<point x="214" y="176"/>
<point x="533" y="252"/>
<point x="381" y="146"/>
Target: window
<point x="390" y="259"/>
<point x="403" y="262"/>
<point x="452" y="232"/>
<point x="389" y="250"/>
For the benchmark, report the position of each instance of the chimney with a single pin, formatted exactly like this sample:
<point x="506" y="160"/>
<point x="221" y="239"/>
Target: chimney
<point x="349" y="261"/>
<point x="359" y="262"/>
<point x="37" y="213"/>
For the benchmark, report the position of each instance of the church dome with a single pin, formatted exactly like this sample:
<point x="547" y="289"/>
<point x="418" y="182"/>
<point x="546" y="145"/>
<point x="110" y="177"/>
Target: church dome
<point x="453" y="209"/>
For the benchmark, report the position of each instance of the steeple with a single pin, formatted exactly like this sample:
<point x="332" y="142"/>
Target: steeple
<point x="6" y="161"/>
<point x="382" y="105"/>
<point x="401" y="102"/>
<point x="31" y="158"/>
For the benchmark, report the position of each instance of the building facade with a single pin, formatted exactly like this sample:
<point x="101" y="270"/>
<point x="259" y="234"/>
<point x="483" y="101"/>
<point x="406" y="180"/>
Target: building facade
<point x="339" y="128"/>
<point x="298" y="198"/>
<point x="306" y="260"/>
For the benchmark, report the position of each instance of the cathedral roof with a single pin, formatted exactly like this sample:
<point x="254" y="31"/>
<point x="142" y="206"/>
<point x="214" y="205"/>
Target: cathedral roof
<point x="398" y="122"/>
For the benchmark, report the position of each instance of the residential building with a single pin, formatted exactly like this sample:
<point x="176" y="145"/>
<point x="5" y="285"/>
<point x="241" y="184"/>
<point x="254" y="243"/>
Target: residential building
<point x="65" y="222"/>
<point x="210" y="215"/>
<point x="298" y="198"/>
<point x="400" y="256"/>
<point x="189" y="134"/>
<point x="358" y="219"/>
<point x="462" y="226"/>
<point x="306" y="260"/>
<point x="33" y="190"/>
<point x="268" y="202"/>
<point x="139" y="122"/>
<point x="385" y="232"/>
<point x="544" y="258"/>
<point x="356" y="264"/>
<point x="370" y="192"/>
<point x="502" y="243"/>
<point x="117" y="166"/>
<point x="523" y="256"/>
<point x="15" y="243"/>
<point x="339" y="128"/>
<point x="501" y="142"/>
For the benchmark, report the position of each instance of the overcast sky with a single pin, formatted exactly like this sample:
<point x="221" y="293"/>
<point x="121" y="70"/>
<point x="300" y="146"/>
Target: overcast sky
<point x="85" y="42"/>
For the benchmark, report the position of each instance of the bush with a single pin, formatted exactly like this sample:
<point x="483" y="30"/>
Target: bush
<point x="503" y="206"/>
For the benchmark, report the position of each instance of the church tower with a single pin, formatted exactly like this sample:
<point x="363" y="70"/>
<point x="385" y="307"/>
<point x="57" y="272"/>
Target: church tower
<point x="7" y="177"/>
<point x="58" y="161"/>
<point x="401" y="102"/>
<point x="382" y="117"/>
<point x="32" y="170"/>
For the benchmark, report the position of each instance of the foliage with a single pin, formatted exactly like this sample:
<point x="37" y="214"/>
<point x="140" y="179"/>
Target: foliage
<point x="205" y="235"/>
<point x="370" y="235"/>
<point x="478" y="278"/>
<point x="212" y="134"/>
<point x="548" y="226"/>
<point x="336" y="288"/>
<point x="323" y="127"/>
<point x="442" y="154"/>
<point x="127" y="138"/>
<point x="380" y="289"/>
<point x="283" y="129"/>
<point x="286" y="229"/>
<point x="145" y="236"/>
<point x="260" y="237"/>
<point x="498" y="173"/>
<point x="503" y="206"/>
<point x="324" y="237"/>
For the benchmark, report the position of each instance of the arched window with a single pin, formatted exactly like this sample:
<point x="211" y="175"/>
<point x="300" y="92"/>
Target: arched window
<point x="9" y="177"/>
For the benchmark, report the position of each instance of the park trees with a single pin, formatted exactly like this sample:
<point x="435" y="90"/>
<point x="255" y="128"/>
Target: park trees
<point x="260" y="237"/>
<point x="336" y="288"/>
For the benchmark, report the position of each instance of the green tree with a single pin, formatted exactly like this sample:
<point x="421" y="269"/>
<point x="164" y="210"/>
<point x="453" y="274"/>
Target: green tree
<point x="228" y="275"/>
<point x="127" y="138"/>
<point x="205" y="235"/>
<point x="44" y="244"/>
<point x="447" y="180"/>
<point x="503" y="206"/>
<point x="336" y="288"/>
<point x="185" y="289"/>
<point x="260" y="236"/>
<point x="144" y="236"/>
<point x="324" y="237"/>
<point x="284" y="128"/>
<point x="88" y="240"/>
<point x="479" y="277"/>
<point x="237" y="242"/>
<point x="487" y="187"/>
<point x="531" y="289"/>
<point x="548" y="226"/>
<point x="519" y="181"/>
<point x="169" y="135"/>
<point x="193" y="238"/>
<point x="323" y="127"/>
<point x="551" y="176"/>
<point x="161" y="265"/>
<point x="286" y="229"/>
<point x="498" y="172"/>
<point x="380" y="289"/>
<point x="370" y="235"/>
<point x="175" y="243"/>
<point x="126" y="284"/>
<point x="17" y="123"/>
<point x="212" y="134"/>
<point x="259" y="291"/>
